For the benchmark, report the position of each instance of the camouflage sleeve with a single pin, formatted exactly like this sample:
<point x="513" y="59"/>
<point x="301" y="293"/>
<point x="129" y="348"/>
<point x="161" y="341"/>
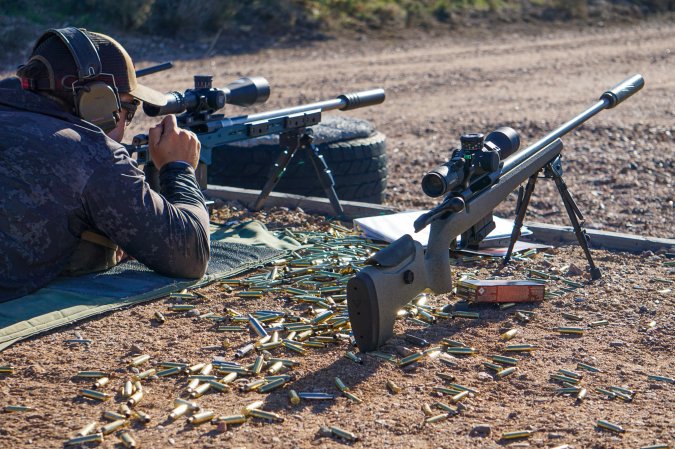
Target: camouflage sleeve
<point x="167" y="232"/>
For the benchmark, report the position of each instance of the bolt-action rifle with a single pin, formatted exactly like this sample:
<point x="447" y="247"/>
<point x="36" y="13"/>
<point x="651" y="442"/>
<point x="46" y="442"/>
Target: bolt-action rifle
<point x="197" y="108"/>
<point x="477" y="178"/>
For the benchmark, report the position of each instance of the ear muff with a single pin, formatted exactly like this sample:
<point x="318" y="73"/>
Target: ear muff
<point x="95" y="101"/>
<point x="98" y="103"/>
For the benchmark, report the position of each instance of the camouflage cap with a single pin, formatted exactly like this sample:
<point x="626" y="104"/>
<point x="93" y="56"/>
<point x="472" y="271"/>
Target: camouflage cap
<point x="114" y="61"/>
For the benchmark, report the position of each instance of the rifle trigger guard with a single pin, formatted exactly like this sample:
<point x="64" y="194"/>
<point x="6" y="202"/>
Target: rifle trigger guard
<point x="394" y="254"/>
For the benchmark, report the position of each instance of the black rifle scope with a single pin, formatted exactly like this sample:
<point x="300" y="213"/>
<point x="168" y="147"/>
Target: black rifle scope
<point x="477" y="156"/>
<point x="205" y="98"/>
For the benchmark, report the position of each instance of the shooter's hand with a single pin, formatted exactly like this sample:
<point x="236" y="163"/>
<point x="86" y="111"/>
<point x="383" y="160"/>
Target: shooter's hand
<point x="169" y="143"/>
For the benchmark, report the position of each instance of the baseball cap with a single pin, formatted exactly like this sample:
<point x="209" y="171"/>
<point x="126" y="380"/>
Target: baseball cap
<point x="114" y="60"/>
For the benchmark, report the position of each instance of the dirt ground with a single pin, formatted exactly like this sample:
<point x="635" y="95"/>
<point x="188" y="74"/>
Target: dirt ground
<point x="437" y="88"/>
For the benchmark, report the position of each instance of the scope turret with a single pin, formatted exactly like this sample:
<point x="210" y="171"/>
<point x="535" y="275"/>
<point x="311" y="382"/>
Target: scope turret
<point x="206" y="99"/>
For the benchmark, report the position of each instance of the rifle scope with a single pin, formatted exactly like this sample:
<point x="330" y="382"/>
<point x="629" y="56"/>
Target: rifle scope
<point x="477" y="156"/>
<point x="205" y="98"/>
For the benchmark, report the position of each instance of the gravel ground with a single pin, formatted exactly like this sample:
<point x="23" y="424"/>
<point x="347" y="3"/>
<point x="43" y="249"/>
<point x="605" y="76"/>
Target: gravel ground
<point x="437" y="88"/>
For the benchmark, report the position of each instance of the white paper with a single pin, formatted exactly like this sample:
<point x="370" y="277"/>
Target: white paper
<point x="391" y="227"/>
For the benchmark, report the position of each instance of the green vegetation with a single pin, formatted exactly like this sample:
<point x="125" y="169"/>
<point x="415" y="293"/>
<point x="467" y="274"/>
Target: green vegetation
<point x="206" y="17"/>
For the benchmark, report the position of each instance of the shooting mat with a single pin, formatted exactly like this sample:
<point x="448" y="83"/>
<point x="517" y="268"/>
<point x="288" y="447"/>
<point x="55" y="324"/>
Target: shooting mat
<point x="70" y="299"/>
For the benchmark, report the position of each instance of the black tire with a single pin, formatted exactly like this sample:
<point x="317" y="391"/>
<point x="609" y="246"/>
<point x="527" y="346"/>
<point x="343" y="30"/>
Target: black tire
<point x="352" y="149"/>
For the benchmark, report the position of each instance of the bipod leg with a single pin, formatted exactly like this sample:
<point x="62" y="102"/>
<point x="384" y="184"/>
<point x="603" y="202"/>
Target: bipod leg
<point x="521" y="209"/>
<point x="289" y="142"/>
<point x="322" y="172"/>
<point x="554" y="170"/>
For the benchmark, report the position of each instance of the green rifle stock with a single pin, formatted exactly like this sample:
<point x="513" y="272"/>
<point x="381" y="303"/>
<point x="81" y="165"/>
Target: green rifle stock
<point x="397" y="273"/>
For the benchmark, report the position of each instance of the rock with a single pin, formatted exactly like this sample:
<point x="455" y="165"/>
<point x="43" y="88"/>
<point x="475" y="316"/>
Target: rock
<point x="574" y="270"/>
<point x="485" y="377"/>
<point x="554" y="436"/>
<point x="325" y="431"/>
<point x="194" y="312"/>
<point x="616" y="343"/>
<point x="481" y="430"/>
<point x="172" y="442"/>
<point x="221" y="427"/>
<point x="136" y="349"/>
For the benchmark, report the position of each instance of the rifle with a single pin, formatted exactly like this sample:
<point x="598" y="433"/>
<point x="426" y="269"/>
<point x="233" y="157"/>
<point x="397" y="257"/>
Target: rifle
<point x="476" y="179"/>
<point x="197" y="109"/>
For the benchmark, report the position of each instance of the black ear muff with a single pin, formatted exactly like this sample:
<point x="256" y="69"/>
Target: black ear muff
<point x="98" y="104"/>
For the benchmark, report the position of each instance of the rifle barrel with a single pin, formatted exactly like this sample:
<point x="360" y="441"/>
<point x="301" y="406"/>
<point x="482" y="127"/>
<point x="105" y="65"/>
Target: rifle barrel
<point x="608" y="99"/>
<point x="154" y="69"/>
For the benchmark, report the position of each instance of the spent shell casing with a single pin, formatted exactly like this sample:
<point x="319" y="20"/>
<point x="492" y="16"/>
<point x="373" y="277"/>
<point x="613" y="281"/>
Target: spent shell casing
<point x="181" y="307"/>
<point x="229" y="378"/>
<point x="258" y="364"/>
<point x="446" y="408"/>
<point x="135" y="398"/>
<point x="345" y="435"/>
<point x="86" y="430"/>
<point x="447" y="376"/>
<point x="293" y="397"/>
<point x="609" y="426"/>
<point x="561" y="378"/>
<point x="504" y="360"/>
<point x="273" y="385"/>
<point x="113" y="416"/>
<point x="460" y="350"/>
<point x="6" y="369"/>
<point x="293" y="347"/>
<point x="493" y="366"/>
<point x="160" y="317"/>
<point x="101" y="382"/>
<point x="200" y="390"/>
<point x="517" y="434"/>
<point x="169" y="372"/>
<point x="463" y="314"/>
<point x="93" y="394"/>
<point x="232" y="419"/>
<point x="182" y="366"/>
<point x="195" y="368"/>
<point x="506" y="371"/>
<point x="598" y="323"/>
<point x="436" y="418"/>
<point x="124" y="409"/>
<point x="589" y="368"/>
<point x="193" y="406"/>
<point x="341" y="385"/>
<point x="506" y="305"/>
<point x="463" y="388"/>
<point x="410" y="359"/>
<point x="351" y="396"/>
<point x="145" y="374"/>
<point x="459" y="396"/>
<point x="582" y="394"/>
<point x="178" y="411"/>
<point x="571" y="316"/>
<point x="127" y="389"/>
<point x="416" y="341"/>
<point x="92" y="374"/>
<point x="246" y="410"/>
<point x="568" y="390"/>
<point x="93" y="438"/>
<point x="426" y="409"/>
<point x="609" y="394"/>
<point x="353" y="357"/>
<point x="275" y="367"/>
<point x="127" y="439"/>
<point x="568" y="373"/>
<point x="113" y="426"/>
<point x="17" y="408"/>
<point x="449" y="391"/>
<point x="257" y="326"/>
<point x="669" y="380"/>
<point x="217" y="386"/>
<point x="201" y="418"/>
<point x="508" y="335"/>
<point x="142" y="416"/>
<point x="571" y="330"/>
<point x="521" y="348"/>
<point x="309" y="395"/>
<point x="392" y="387"/>
<point x="262" y="414"/>
<point x="141" y="359"/>
<point x="453" y="343"/>
<point x="241" y="352"/>
<point x="656" y="446"/>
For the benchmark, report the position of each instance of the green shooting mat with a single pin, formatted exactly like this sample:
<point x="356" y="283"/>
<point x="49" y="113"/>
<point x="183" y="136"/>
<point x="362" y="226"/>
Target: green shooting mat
<point x="67" y="300"/>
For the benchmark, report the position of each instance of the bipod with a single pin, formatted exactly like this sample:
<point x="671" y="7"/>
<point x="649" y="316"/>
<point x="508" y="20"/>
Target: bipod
<point x="553" y="170"/>
<point x="290" y="142"/>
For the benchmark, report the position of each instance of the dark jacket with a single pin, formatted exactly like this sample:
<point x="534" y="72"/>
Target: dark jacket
<point x="60" y="176"/>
